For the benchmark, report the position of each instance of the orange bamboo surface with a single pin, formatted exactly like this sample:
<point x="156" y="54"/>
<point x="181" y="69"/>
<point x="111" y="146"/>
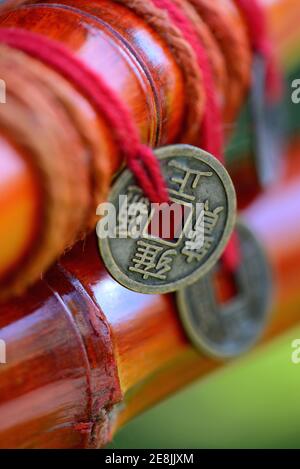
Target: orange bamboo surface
<point x="156" y="103"/>
<point x="146" y="77"/>
<point x="84" y="354"/>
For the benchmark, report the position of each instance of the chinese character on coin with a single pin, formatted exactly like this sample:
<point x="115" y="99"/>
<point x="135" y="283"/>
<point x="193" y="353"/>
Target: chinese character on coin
<point x="158" y="248"/>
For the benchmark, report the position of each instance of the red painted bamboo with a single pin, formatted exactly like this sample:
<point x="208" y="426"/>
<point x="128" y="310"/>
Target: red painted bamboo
<point x="141" y="69"/>
<point x="78" y="343"/>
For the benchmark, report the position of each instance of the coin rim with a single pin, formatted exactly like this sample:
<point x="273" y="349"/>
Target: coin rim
<point x="163" y="153"/>
<point x="198" y="341"/>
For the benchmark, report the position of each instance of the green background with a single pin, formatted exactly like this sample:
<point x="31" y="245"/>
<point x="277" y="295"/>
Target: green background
<point x="251" y="403"/>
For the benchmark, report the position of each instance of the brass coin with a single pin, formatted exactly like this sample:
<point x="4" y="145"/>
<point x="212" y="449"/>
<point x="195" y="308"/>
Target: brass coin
<point x="227" y="330"/>
<point x="204" y="214"/>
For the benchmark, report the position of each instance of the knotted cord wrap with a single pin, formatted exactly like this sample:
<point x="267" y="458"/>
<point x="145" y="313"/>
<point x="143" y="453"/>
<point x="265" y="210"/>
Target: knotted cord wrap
<point x="184" y="55"/>
<point x="233" y="43"/>
<point x="211" y="46"/>
<point x="211" y="127"/>
<point x="32" y="120"/>
<point x="66" y="97"/>
<point x="140" y="159"/>
<point x="212" y="138"/>
<point x="172" y="20"/>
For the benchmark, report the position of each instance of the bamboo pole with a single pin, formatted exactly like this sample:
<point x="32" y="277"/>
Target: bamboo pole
<point x="85" y="355"/>
<point x="102" y="52"/>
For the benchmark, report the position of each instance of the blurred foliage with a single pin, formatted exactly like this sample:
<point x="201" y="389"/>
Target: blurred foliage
<point x="252" y="403"/>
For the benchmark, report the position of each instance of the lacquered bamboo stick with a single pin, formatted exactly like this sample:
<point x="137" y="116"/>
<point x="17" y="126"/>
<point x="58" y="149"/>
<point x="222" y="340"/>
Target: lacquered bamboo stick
<point x="85" y="355"/>
<point x="106" y="53"/>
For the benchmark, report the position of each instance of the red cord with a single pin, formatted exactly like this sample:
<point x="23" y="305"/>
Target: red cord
<point x="140" y="159"/>
<point x="211" y="135"/>
<point x="255" y="17"/>
<point x="212" y="138"/>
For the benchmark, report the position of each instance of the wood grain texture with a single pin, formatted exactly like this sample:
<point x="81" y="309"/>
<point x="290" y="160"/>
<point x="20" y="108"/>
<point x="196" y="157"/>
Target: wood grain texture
<point x="133" y="59"/>
<point x="139" y="66"/>
<point x="85" y="355"/>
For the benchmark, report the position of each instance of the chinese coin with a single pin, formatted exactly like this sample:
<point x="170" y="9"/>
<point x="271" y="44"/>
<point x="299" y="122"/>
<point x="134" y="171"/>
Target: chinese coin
<point x="227" y="329"/>
<point x="158" y="248"/>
